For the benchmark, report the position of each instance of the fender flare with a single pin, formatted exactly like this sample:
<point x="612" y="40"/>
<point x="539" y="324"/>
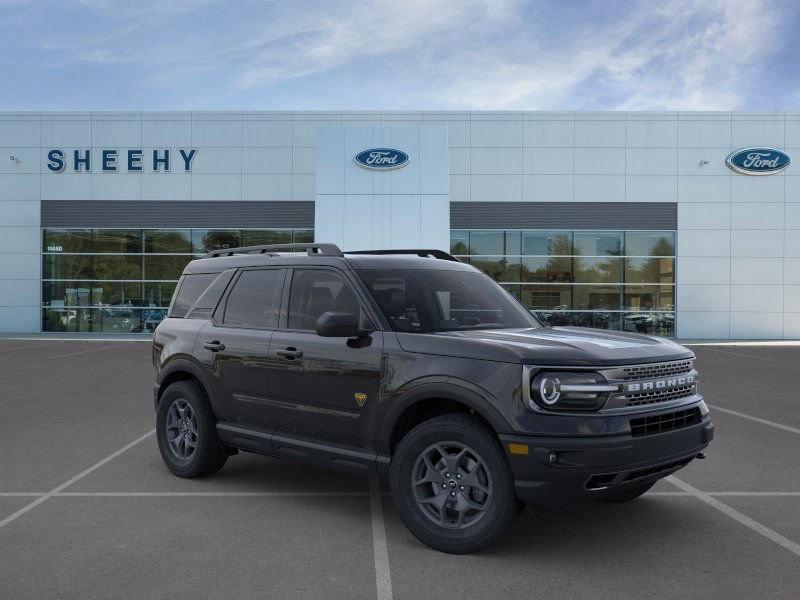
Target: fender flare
<point x="447" y="388"/>
<point x="187" y="365"/>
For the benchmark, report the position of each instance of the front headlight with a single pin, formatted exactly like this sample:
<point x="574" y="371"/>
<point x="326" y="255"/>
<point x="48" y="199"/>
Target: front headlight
<point x="570" y="390"/>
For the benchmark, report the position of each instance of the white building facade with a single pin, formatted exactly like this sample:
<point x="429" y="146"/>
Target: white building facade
<point x="629" y="221"/>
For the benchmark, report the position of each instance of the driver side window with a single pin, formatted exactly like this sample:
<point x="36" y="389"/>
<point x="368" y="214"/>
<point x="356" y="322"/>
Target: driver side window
<point x="317" y="291"/>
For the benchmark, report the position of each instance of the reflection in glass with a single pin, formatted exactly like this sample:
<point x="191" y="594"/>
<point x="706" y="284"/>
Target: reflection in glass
<point x="547" y="243"/>
<point x="206" y="240"/>
<point x="486" y="242"/>
<point x="598" y="270"/>
<point x="67" y="240"/>
<point x="597" y="297"/>
<point x="547" y="297"/>
<point x="649" y="297"/>
<point x="650" y="243"/>
<point x="117" y="240"/>
<point x="171" y="241"/>
<point x="56" y="266"/>
<point x="303" y="236"/>
<point x="459" y="242"/>
<point x="265" y="237"/>
<point x="117" y="267"/>
<point x="546" y="270"/>
<point x="650" y="270"/>
<point x="598" y="243"/>
<point x="165" y="267"/>
<point x="654" y="323"/>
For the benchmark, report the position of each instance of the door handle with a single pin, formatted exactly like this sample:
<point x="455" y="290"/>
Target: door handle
<point x="290" y="353"/>
<point x="214" y="346"/>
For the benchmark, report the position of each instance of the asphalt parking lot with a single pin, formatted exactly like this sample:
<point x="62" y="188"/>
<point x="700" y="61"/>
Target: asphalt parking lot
<point x="87" y="509"/>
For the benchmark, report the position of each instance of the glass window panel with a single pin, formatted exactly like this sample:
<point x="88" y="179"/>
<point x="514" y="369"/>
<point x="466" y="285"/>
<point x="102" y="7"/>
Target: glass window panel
<point x="158" y="294"/>
<point x="650" y="270"/>
<point x="262" y="237"/>
<point x="192" y="286"/>
<point x="57" y="266"/>
<point x="598" y="243"/>
<point x="165" y="267"/>
<point x="206" y="240"/>
<point x="117" y="267"/>
<point x="654" y="323"/>
<point x="303" y="236"/>
<point x="151" y="318"/>
<point x="547" y="243"/>
<point x="486" y="242"/>
<point x="547" y="297"/>
<point x="90" y="293"/>
<point x="598" y="320"/>
<point x="598" y="270"/>
<point x="597" y="297"/>
<point x="650" y="243"/>
<point x="546" y="270"/>
<point x="513" y="242"/>
<point x="67" y="319"/>
<point x="514" y="290"/>
<point x="67" y="240"/>
<point x="117" y="320"/>
<point x="117" y="240"/>
<point x="177" y="241"/>
<point x="459" y="242"/>
<point x="493" y="266"/>
<point x="649" y="297"/>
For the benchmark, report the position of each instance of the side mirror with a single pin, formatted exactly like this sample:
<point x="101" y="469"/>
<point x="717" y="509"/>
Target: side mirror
<point x="339" y="324"/>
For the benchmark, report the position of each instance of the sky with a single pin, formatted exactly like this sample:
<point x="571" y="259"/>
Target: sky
<point x="400" y="55"/>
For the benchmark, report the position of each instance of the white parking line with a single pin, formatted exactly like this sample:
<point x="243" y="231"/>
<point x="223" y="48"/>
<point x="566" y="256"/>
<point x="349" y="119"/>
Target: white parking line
<point x="383" y="579"/>
<point x="211" y="494"/>
<point x="756" y="419"/>
<point x="69" y="482"/>
<point x="736" y="515"/>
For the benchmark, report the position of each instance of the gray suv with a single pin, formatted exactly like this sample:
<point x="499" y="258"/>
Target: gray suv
<point x="414" y="367"/>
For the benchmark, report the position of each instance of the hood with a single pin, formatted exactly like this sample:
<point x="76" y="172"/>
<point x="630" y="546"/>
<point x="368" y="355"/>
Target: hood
<point x="578" y="346"/>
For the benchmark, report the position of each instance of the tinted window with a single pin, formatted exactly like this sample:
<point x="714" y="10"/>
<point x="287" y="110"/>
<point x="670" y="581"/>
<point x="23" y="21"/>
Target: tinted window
<point x="426" y="301"/>
<point x="253" y="301"/>
<point x="317" y="291"/>
<point x="190" y="289"/>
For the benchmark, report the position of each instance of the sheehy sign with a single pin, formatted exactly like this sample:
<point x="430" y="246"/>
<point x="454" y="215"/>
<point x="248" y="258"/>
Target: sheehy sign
<point x="112" y="160"/>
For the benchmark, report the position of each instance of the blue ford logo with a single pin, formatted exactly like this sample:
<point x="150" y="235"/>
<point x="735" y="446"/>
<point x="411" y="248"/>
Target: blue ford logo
<point x="758" y="161"/>
<point x="381" y="159"/>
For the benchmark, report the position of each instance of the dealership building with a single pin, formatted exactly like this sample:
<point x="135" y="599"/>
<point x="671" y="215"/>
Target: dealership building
<point x="683" y="224"/>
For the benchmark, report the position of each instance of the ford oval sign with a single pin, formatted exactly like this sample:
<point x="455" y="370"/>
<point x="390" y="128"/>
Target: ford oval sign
<point x="381" y="159"/>
<point x="758" y="161"/>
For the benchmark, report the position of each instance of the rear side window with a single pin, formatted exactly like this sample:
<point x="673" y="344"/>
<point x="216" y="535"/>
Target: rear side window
<point x="189" y="291"/>
<point x="254" y="299"/>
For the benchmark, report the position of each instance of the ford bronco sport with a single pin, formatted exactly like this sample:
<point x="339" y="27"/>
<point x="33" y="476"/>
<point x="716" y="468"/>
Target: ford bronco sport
<point x="412" y="366"/>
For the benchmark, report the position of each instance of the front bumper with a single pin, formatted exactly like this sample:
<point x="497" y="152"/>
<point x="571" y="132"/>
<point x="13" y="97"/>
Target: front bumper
<point x="558" y="471"/>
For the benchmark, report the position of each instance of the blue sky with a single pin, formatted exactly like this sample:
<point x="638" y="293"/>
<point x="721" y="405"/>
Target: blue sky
<point x="389" y="54"/>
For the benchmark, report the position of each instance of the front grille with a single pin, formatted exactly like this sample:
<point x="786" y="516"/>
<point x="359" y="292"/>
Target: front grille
<point x="666" y="422"/>
<point x="638" y="399"/>
<point x="655" y="370"/>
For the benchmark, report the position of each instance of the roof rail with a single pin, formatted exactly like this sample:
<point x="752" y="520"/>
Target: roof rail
<point x="311" y="249"/>
<point x="440" y="254"/>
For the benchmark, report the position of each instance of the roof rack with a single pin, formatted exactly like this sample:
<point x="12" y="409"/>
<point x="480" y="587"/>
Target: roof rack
<point x="440" y="254"/>
<point x="311" y="249"/>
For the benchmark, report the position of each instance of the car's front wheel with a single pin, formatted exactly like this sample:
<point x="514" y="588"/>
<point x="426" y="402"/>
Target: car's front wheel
<point x="452" y="484"/>
<point x="186" y="431"/>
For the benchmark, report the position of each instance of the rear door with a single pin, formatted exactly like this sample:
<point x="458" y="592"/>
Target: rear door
<point x="234" y="345"/>
<point x="324" y="389"/>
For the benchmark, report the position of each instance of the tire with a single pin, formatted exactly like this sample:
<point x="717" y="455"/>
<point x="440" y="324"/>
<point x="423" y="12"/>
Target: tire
<point x="193" y="419"/>
<point x="438" y="510"/>
<point x="628" y="494"/>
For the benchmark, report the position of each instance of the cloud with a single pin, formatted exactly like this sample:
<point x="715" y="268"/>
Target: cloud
<point x="469" y="54"/>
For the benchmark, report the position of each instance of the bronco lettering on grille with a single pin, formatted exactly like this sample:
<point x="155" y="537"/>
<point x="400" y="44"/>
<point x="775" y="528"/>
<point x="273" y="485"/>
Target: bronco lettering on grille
<point x="659" y="384"/>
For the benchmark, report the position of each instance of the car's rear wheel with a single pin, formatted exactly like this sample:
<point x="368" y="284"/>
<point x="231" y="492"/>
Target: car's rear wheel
<point x="452" y="484"/>
<point x="628" y="494"/>
<point x="186" y="431"/>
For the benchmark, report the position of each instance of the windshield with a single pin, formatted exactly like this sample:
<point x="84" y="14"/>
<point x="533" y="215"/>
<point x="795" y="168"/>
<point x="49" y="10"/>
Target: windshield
<point x="426" y="301"/>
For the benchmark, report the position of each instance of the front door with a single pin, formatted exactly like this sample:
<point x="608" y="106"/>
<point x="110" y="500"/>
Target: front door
<point x="235" y="345"/>
<point x="324" y="389"/>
